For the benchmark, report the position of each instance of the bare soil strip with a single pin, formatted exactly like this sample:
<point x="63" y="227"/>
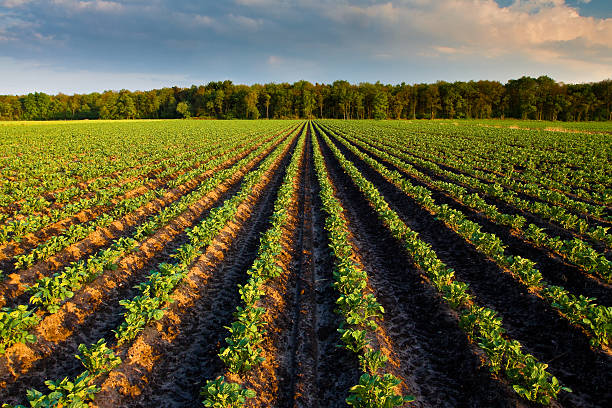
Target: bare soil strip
<point x="527" y="318"/>
<point x="16" y="283"/>
<point x="436" y="359"/>
<point x="94" y="311"/>
<point x="506" y="207"/>
<point x="169" y="361"/>
<point x="292" y="374"/>
<point x="554" y="269"/>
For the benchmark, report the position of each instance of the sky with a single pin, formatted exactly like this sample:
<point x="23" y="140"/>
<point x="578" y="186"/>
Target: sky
<point x="78" y="46"/>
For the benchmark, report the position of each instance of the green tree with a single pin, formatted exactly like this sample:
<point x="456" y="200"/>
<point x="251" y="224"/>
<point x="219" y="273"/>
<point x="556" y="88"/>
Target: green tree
<point x="182" y="108"/>
<point x="125" y="107"/>
<point x="251" y="105"/>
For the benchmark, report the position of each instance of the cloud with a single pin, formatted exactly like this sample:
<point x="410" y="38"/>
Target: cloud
<point x="318" y="40"/>
<point x="89" y="5"/>
<point x="14" y="3"/>
<point x="204" y="20"/>
<point x="274" y="60"/>
<point x="482" y="28"/>
<point x="243" y="22"/>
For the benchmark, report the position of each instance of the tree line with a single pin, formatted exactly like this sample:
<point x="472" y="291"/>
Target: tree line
<point x="539" y="98"/>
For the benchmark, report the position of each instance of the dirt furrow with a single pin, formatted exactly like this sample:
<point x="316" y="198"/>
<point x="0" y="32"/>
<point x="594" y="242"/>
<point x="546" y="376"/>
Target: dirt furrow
<point x="16" y="283"/>
<point x="552" y="227"/>
<point x="528" y="319"/>
<point x="554" y="269"/>
<point x="94" y="311"/>
<point x="298" y="381"/>
<point x="168" y="363"/>
<point x="437" y="361"/>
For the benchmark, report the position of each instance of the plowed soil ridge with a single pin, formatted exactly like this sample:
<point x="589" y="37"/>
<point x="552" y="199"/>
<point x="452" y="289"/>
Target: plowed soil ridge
<point x="554" y="269"/>
<point x="528" y="319"/>
<point x="182" y="347"/>
<point x="506" y="207"/>
<point x="436" y="356"/>
<point x="95" y="311"/>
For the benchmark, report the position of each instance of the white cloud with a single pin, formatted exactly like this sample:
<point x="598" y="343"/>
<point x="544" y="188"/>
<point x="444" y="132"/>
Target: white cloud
<point x="90" y="5"/>
<point x="390" y="40"/>
<point x="274" y="60"/>
<point x="203" y="20"/>
<point x="14" y="3"/>
<point x="243" y="22"/>
<point x="543" y="30"/>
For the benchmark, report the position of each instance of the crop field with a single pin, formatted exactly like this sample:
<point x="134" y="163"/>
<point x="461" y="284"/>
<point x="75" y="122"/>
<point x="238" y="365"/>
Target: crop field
<point x="292" y="263"/>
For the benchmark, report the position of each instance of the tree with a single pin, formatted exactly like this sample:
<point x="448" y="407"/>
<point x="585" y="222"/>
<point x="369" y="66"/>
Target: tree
<point x="182" y="108"/>
<point x="539" y="98"/>
<point x="251" y="105"/>
<point x="125" y="107"/>
<point x="267" y="98"/>
<point x="380" y="102"/>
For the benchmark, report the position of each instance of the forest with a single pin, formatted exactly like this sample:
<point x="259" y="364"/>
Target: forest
<point x="539" y="98"/>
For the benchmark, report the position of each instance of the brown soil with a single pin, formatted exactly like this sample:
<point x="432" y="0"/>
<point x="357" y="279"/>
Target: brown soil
<point x="95" y="308"/>
<point x="16" y="283"/>
<point x="168" y="363"/>
<point x="437" y="361"/>
<point x="551" y="227"/>
<point x="301" y="325"/>
<point x="527" y="318"/>
<point x="554" y="269"/>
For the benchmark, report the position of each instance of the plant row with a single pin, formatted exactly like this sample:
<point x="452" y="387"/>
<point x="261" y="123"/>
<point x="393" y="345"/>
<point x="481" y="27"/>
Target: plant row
<point x="246" y="332"/>
<point x="49" y="293"/>
<point x="595" y="319"/>
<point x="575" y="251"/>
<point x="125" y="206"/>
<point x="155" y="293"/>
<point x="46" y="201"/>
<point x="552" y="213"/>
<point x="358" y="307"/>
<point x="532" y="157"/>
<point x="39" y="162"/>
<point x="528" y="376"/>
<point x="15" y="230"/>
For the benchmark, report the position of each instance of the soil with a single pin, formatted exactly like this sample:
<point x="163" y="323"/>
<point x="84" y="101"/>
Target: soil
<point x="440" y="365"/>
<point x="171" y="359"/>
<point x="95" y="311"/>
<point x="526" y="318"/>
<point x="167" y="364"/>
<point x="554" y="269"/>
<point x="17" y="281"/>
<point x="551" y="226"/>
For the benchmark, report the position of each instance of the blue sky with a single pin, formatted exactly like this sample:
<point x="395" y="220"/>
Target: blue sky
<point x="91" y="45"/>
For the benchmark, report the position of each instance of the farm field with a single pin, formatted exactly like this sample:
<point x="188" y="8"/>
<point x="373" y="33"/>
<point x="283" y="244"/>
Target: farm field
<point x="292" y="263"/>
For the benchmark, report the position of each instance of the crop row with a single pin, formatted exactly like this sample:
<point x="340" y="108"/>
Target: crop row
<point x="358" y="307"/>
<point x="242" y="352"/>
<point x="156" y="291"/>
<point x="528" y="376"/>
<point x="552" y="213"/>
<point x="18" y="228"/>
<point x="542" y="157"/>
<point x="127" y="204"/>
<point x="49" y="292"/>
<point x="37" y="164"/>
<point x="596" y="320"/>
<point x="575" y="251"/>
